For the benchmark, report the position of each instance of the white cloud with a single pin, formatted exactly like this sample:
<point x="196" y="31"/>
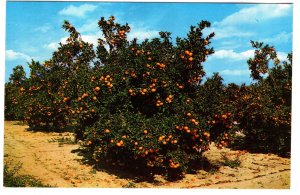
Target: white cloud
<point x="282" y="37"/>
<point x="232" y="55"/>
<point x="235" y="72"/>
<point x="13" y="55"/>
<point x="236" y="56"/>
<point x="87" y="38"/>
<point x="79" y="11"/>
<point x="54" y="45"/>
<point x="230" y="25"/>
<point x="91" y="39"/>
<point x="257" y="13"/>
<point x="282" y="56"/>
<point x="229" y="44"/>
<point x="90" y="26"/>
<point x="138" y="31"/>
<point x="51" y="46"/>
<point x="230" y="31"/>
<point x="43" y="29"/>
<point x="142" y="34"/>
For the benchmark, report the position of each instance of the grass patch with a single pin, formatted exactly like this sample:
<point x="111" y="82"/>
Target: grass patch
<point x="21" y="123"/>
<point x="129" y="185"/>
<point x="13" y="179"/>
<point x="232" y="163"/>
<point x="63" y="140"/>
<point x="212" y="171"/>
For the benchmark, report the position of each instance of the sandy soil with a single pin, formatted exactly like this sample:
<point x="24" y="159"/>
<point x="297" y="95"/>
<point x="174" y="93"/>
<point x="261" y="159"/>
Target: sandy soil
<point x="59" y="166"/>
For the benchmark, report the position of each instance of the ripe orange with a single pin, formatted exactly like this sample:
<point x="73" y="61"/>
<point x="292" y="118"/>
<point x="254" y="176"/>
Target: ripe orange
<point x="94" y="98"/>
<point x="145" y="131"/>
<point x="107" y="130"/>
<point x="97" y="88"/>
<point x="153" y="90"/>
<point x="206" y="134"/>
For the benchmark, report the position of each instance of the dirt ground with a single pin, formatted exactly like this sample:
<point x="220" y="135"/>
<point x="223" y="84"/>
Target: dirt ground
<point x="59" y="166"/>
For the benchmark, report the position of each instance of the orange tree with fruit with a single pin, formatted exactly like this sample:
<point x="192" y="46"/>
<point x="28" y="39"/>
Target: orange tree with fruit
<point x="264" y="108"/>
<point x="54" y="85"/>
<point x="135" y="106"/>
<point x="144" y="103"/>
<point x="14" y="95"/>
<point x="213" y="103"/>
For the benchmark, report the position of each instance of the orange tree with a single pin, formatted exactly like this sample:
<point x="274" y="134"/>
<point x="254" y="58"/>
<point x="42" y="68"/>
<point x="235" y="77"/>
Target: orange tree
<point x="14" y="94"/>
<point x="264" y="107"/>
<point x="43" y="109"/>
<point x="213" y="103"/>
<point x="136" y="105"/>
<point x="55" y="84"/>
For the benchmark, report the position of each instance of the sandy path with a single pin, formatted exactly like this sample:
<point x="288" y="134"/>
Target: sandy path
<point x="59" y="166"/>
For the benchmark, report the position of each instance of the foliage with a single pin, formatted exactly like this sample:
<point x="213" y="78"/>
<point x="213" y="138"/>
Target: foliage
<point x="264" y="107"/>
<point x="63" y="140"/>
<point x="11" y="178"/>
<point x="14" y="91"/>
<point x="232" y="163"/>
<point x="145" y="104"/>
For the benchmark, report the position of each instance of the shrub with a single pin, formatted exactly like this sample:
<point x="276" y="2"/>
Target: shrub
<point x="264" y="108"/>
<point x="14" y="94"/>
<point x="11" y="178"/>
<point x="137" y="106"/>
<point x="144" y="104"/>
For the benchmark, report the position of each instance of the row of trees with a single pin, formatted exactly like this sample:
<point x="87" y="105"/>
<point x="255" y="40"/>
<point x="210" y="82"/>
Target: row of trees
<point x="146" y="103"/>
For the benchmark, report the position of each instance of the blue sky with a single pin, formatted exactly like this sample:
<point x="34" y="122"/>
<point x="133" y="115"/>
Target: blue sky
<point x="33" y="29"/>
